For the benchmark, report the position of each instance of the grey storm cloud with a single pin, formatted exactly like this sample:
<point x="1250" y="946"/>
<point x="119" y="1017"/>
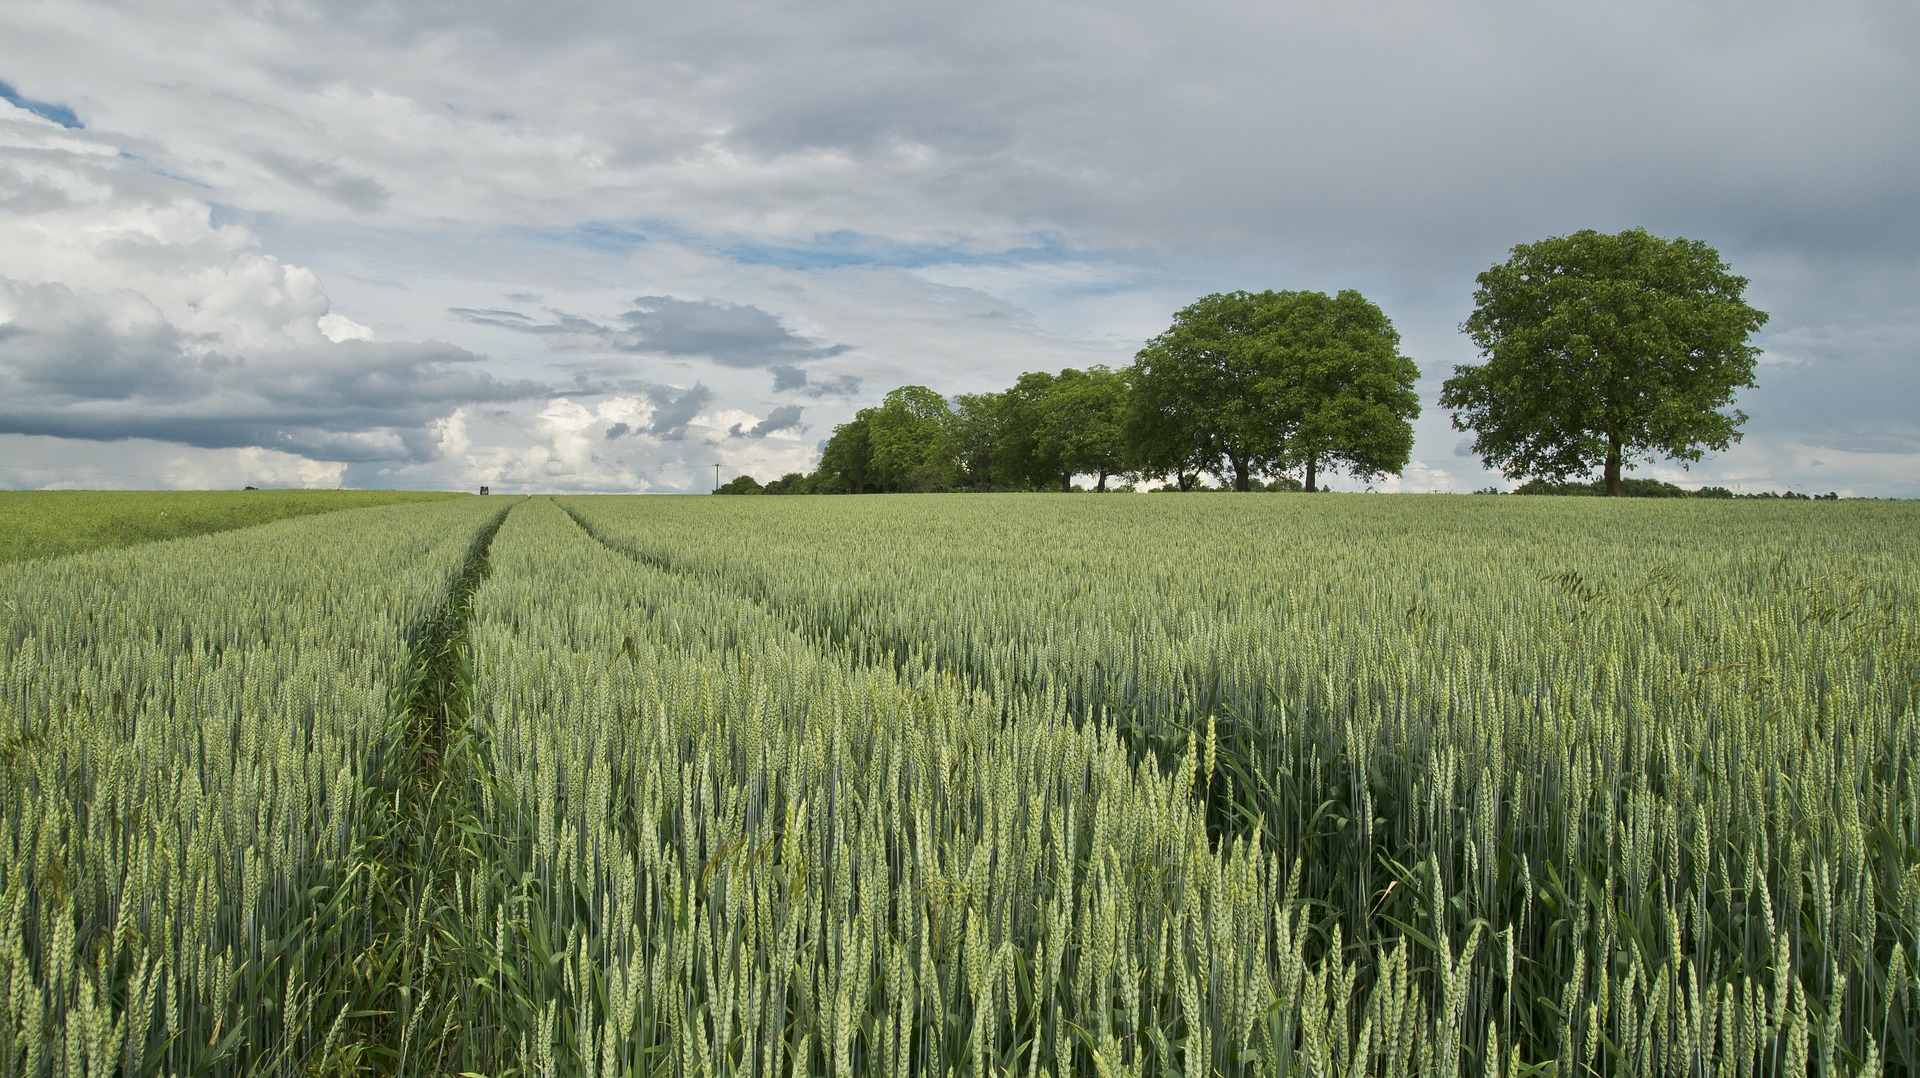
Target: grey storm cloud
<point x="80" y="366"/>
<point x="1219" y="124"/>
<point x="673" y="408"/>
<point x="791" y="379"/>
<point x="1818" y="402"/>
<point x="730" y="334"/>
<point x="785" y="417"/>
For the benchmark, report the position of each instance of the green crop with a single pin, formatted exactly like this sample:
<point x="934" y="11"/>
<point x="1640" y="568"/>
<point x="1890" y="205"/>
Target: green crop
<point x="1655" y="762"/>
<point x="1025" y="785"/>
<point x="49" y="523"/>
<point x="189" y="733"/>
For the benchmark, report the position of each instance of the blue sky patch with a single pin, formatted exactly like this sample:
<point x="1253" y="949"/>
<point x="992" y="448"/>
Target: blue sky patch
<point x="46" y="110"/>
<point x="828" y="250"/>
<point x="835" y="250"/>
<point x="609" y="238"/>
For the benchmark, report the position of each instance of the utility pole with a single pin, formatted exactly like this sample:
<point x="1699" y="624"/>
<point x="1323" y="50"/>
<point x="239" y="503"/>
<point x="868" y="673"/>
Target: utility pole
<point x="716" y="478"/>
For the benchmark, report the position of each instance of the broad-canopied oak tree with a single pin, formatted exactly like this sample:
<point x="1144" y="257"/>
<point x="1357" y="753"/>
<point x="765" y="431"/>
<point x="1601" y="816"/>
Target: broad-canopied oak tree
<point x="1250" y="383"/>
<point x="1602" y="350"/>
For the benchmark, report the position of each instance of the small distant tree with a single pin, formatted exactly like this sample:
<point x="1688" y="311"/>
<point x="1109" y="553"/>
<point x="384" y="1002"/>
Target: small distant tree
<point x="740" y="484"/>
<point x="1602" y="350"/>
<point x="790" y="483"/>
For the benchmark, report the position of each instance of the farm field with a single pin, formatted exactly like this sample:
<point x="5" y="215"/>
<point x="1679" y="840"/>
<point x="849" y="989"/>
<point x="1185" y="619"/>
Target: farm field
<point x="49" y="523"/>
<point x="1263" y="784"/>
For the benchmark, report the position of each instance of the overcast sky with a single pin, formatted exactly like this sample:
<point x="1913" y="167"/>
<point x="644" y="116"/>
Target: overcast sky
<point x="604" y="246"/>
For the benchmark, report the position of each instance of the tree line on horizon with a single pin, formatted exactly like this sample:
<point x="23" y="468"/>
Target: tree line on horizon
<point x="1245" y="386"/>
<point x="1599" y="351"/>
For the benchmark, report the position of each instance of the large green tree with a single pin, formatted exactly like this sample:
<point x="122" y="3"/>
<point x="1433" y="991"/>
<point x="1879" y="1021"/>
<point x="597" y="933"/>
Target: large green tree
<point x="1201" y="401"/>
<point x="1601" y="350"/>
<point x="1025" y="459"/>
<point x="1081" y="428"/>
<point x="910" y="440"/>
<point x="979" y="431"/>
<point x="1249" y="383"/>
<point x="1043" y="431"/>
<point x="1345" y="393"/>
<point x="1166" y="435"/>
<point x="846" y="462"/>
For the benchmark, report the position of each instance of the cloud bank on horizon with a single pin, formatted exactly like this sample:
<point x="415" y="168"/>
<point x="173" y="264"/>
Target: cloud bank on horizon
<point x="390" y="244"/>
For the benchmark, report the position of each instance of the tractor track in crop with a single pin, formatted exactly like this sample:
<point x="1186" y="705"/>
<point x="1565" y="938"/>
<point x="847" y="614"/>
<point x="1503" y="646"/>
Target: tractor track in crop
<point x="1232" y="810"/>
<point x="420" y="828"/>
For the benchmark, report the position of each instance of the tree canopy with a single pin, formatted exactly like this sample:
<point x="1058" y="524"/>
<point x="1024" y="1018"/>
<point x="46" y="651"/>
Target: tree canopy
<point x="1250" y="383"/>
<point x="910" y="441"/>
<point x="1205" y="391"/>
<point x="979" y="432"/>
<point x="1345" y="390"/>
<point x="906" y="444"/>
<point x="1601" y="350"/>
<point x="1042" y="431"/>
<point x="1081" y="425"/>
<point x="846" y="459"/>
<point x="1022" y="460"/>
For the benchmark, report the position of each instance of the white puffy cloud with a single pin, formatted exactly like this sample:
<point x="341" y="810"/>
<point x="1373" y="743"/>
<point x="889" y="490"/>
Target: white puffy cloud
<point x="1419" y="477"/>
<point x="111" y="365"/>
<point x="128" y="311"/>
<point x="134" y="464"/>
<point x="338" y="328"/>
<point x="256" y="466"/>
<point x="82" y="216"/>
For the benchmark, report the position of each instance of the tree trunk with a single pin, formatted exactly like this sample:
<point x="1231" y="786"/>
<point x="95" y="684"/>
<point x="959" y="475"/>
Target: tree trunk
<point x="1239" y="473"/>
<point x="1615" y="488"/>
<point x="1186" y="480"/>
<point x="1102" y="488"/>
<point x="1066" y="482"/>
<point x="1312" y="472"/>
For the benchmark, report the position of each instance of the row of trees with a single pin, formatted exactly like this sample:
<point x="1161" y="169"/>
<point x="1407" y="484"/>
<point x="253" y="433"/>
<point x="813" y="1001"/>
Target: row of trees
<point x="1243" y="385"/>
<point x="1599" y="351"/>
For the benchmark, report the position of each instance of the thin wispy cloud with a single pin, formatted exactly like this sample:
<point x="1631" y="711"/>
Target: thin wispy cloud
<point x="791" y="379"/>
<point x="730" y="334"/>
<point x="363" y="194"/>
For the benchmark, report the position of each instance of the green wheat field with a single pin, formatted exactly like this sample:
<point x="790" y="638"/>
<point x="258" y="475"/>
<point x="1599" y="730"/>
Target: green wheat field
<point x="963" y="785"/>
